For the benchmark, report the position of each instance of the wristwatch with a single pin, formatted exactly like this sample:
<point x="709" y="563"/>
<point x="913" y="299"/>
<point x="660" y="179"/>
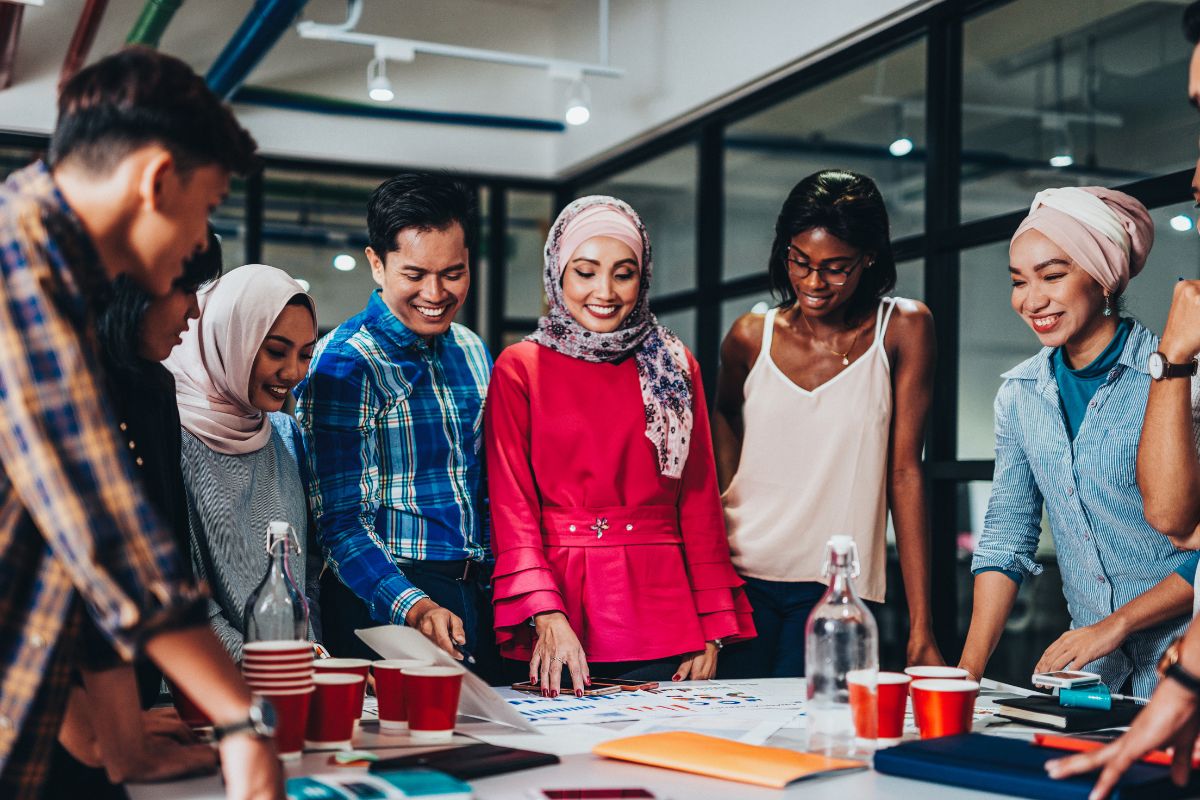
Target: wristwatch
<point x="259" y="721"/>
<point x="1160" y="368"/>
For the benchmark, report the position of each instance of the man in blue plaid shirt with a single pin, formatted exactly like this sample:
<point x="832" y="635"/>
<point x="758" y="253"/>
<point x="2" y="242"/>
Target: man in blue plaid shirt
<point x="392" y="413"/>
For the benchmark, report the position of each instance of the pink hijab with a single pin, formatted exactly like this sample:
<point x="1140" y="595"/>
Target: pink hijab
<point x="212" y="365"/>
<point x="1105" y="232"/>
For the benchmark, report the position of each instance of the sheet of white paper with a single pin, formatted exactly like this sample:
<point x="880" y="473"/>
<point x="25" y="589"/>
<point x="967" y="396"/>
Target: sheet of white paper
<point x="684" y="699"/>
<point x="749" y="728"/>
<point x="567" y="739"/>
<point x="477" y="700"/>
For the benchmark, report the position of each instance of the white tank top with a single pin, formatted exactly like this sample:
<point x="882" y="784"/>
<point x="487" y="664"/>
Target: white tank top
<point x="813" y="465"/>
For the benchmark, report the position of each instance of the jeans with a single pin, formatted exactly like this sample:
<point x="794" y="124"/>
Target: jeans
<point x="781" y="612"/>
<point x="342" y="612"/>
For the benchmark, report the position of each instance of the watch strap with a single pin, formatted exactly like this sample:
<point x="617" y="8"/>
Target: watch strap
<point x="1185" y="370"/>
<point x="1183" y="677"/>
<point x="222" y="731"/>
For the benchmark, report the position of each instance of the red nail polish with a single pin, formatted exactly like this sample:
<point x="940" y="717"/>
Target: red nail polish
<point x="554" y="693"/>
<point x="579" y="692"/>
<point x="674" y="677"/>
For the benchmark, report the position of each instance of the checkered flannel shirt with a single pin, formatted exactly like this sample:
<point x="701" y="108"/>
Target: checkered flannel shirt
<point x="75" y="529"/>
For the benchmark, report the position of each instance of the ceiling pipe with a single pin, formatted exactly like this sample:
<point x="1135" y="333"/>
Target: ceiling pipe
<point x="82" y="39"/>
<point x="11" y="15"/>
<point x="153" y="20"/>
<point x="258" y="33"/>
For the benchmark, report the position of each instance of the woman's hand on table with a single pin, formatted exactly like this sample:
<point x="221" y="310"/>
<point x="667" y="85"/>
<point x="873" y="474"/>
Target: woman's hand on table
<point x="557" y="646"/>
<point x="1171" y="719"/>
<point x="1081" y="646"/>
<point x="701" y="666"/>
<point x="922" y="651"/>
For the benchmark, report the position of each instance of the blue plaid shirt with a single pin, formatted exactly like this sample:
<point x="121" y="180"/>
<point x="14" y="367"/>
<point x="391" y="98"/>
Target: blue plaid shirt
<point x="393" y="428"/>
<point x="1107" y="553"/>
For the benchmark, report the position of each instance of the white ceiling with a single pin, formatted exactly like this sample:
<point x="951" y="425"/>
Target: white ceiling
<point x="679" y="54"/>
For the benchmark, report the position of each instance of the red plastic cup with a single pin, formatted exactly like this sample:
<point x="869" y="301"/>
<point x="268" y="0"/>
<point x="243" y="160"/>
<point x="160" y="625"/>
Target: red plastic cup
<point x="892" y="699"/>
<point x="278" y="649"/>
<point x="263" y="686"/>
<point x="291" y="717"/>
<point x="189" y="712"/>
<point x="864" y="702"/>
<point x="946" y="673"/>
<point x="944" y="707"/>
<point x="389" y="691"/>
<point x="331" y="715"/>
<point x="347" y="666"/>
<point x="431" y="699"/>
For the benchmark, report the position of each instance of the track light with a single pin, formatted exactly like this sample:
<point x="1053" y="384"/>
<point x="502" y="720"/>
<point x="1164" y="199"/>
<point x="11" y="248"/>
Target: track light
<point x="579" y="104"/>
<point x="1062" y="153"/>
<point x="379" y="88"/>
<point x="901" y="147"/>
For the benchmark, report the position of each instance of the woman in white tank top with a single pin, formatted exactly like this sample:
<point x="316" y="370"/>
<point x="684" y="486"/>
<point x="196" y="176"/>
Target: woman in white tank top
<point x="820" y="421"/>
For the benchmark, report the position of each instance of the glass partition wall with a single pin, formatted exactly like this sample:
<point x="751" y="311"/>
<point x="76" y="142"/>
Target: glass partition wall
<point x="961" y="114"/>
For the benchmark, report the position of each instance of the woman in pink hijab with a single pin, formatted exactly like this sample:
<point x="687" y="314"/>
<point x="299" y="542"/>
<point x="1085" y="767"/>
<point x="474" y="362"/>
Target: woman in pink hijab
<point x="1068" y="422"/>
<point x="241" y="453"/>
<point x="611" y="557"/>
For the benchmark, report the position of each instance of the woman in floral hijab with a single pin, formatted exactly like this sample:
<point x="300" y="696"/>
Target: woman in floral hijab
<point x="608" y="530"/>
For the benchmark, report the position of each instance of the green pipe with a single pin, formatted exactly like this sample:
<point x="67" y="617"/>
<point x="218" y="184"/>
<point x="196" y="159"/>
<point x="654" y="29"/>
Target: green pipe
<point x="155" y="17"/>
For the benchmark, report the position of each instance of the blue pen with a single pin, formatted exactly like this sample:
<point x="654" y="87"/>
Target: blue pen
<point x="466" y="654"/>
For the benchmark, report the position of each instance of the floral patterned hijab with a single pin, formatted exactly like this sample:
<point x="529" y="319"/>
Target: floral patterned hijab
<point x="662" y="363"/>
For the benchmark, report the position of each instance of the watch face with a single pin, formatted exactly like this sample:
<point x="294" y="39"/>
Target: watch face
<point x="266" y="716"/>
<point x="1157" y="366"/>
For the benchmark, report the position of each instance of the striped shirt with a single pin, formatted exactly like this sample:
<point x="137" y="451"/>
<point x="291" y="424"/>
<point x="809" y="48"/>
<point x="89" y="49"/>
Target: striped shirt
<point x="1107" y="553"/>
<point x="393" y="429"/>
<point x="74" y="524"/>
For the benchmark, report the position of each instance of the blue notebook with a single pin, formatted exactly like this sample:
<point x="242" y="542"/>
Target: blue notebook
<point x="1014" y="767"/>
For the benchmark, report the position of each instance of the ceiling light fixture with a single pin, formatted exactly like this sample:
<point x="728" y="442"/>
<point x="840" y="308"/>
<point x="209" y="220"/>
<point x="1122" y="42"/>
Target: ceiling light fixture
<point x="579" y="105"/>
<point x="901" y="147"/>
<point x="379" y="88"/>
<point x="344" y="262"/>
<point x="305" y="285"/>
<point x="1181" y="222"/>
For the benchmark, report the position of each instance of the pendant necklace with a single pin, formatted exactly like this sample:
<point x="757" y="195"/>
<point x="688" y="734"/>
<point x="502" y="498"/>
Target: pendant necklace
<point x="845" y="357"/>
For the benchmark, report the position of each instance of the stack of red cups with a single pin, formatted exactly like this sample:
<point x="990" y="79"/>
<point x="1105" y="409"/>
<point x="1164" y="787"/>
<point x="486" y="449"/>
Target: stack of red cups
<point x="282" y="672"/>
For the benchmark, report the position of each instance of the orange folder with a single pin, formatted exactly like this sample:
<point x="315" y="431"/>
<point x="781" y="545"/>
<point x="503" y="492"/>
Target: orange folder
<point x="721" y="758"/>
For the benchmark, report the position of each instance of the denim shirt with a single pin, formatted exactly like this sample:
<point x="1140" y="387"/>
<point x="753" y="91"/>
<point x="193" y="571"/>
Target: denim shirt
<point x="1107" y="552"/>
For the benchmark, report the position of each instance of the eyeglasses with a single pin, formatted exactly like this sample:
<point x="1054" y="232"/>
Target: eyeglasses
<point x="834" y="276"/>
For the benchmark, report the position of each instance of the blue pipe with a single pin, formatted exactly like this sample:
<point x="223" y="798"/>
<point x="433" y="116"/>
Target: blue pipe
<point x="258" y="33"/>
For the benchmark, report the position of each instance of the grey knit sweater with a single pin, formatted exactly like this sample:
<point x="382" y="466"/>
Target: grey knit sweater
<point x="231" y="498"/>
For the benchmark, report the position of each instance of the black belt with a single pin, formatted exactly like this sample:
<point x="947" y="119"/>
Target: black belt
<point x="461" y="570"/>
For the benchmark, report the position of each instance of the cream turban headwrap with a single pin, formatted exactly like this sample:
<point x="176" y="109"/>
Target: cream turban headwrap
<point x="1107" y="233"/>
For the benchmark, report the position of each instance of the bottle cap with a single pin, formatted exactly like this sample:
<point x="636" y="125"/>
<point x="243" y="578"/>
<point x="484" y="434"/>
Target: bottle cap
<point x="841" y="544"/>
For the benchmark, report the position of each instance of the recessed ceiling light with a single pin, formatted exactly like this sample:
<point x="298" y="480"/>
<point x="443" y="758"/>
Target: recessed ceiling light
<point x="305" y="285"/>
<point x="901" y="147"/>
<point x="1181" y="222"/>
<point x="344" y="262"/>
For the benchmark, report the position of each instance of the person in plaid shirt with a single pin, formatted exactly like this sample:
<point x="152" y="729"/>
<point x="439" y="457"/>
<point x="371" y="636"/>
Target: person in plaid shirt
<point x="392" y="415"/>
<point x="141" y="154"/>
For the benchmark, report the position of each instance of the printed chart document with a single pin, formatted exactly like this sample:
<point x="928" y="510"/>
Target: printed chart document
<point x="478" y="699"/>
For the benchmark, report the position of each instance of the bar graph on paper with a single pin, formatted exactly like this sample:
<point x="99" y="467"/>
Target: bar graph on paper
<point x="676" y="700"/>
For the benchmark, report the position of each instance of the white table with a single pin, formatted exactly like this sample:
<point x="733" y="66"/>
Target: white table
<point x="586" y="770"/>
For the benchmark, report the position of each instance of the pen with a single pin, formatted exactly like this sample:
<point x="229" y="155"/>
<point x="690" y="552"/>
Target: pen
<point x="466" y="654"/>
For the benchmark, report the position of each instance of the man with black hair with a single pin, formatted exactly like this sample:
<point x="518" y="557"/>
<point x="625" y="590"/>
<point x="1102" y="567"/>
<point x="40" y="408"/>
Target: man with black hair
<point x="141" y="154"/>
<point x="392" y="412"/>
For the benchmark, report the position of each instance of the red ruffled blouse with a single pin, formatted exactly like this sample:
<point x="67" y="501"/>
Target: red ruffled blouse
<point x="584" y="523"/>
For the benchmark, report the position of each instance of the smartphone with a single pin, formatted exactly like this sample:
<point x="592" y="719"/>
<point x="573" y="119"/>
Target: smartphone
<point x="1065" y="679"/>
<point x="594" y="794"/>
<point x="595" y="690"/>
